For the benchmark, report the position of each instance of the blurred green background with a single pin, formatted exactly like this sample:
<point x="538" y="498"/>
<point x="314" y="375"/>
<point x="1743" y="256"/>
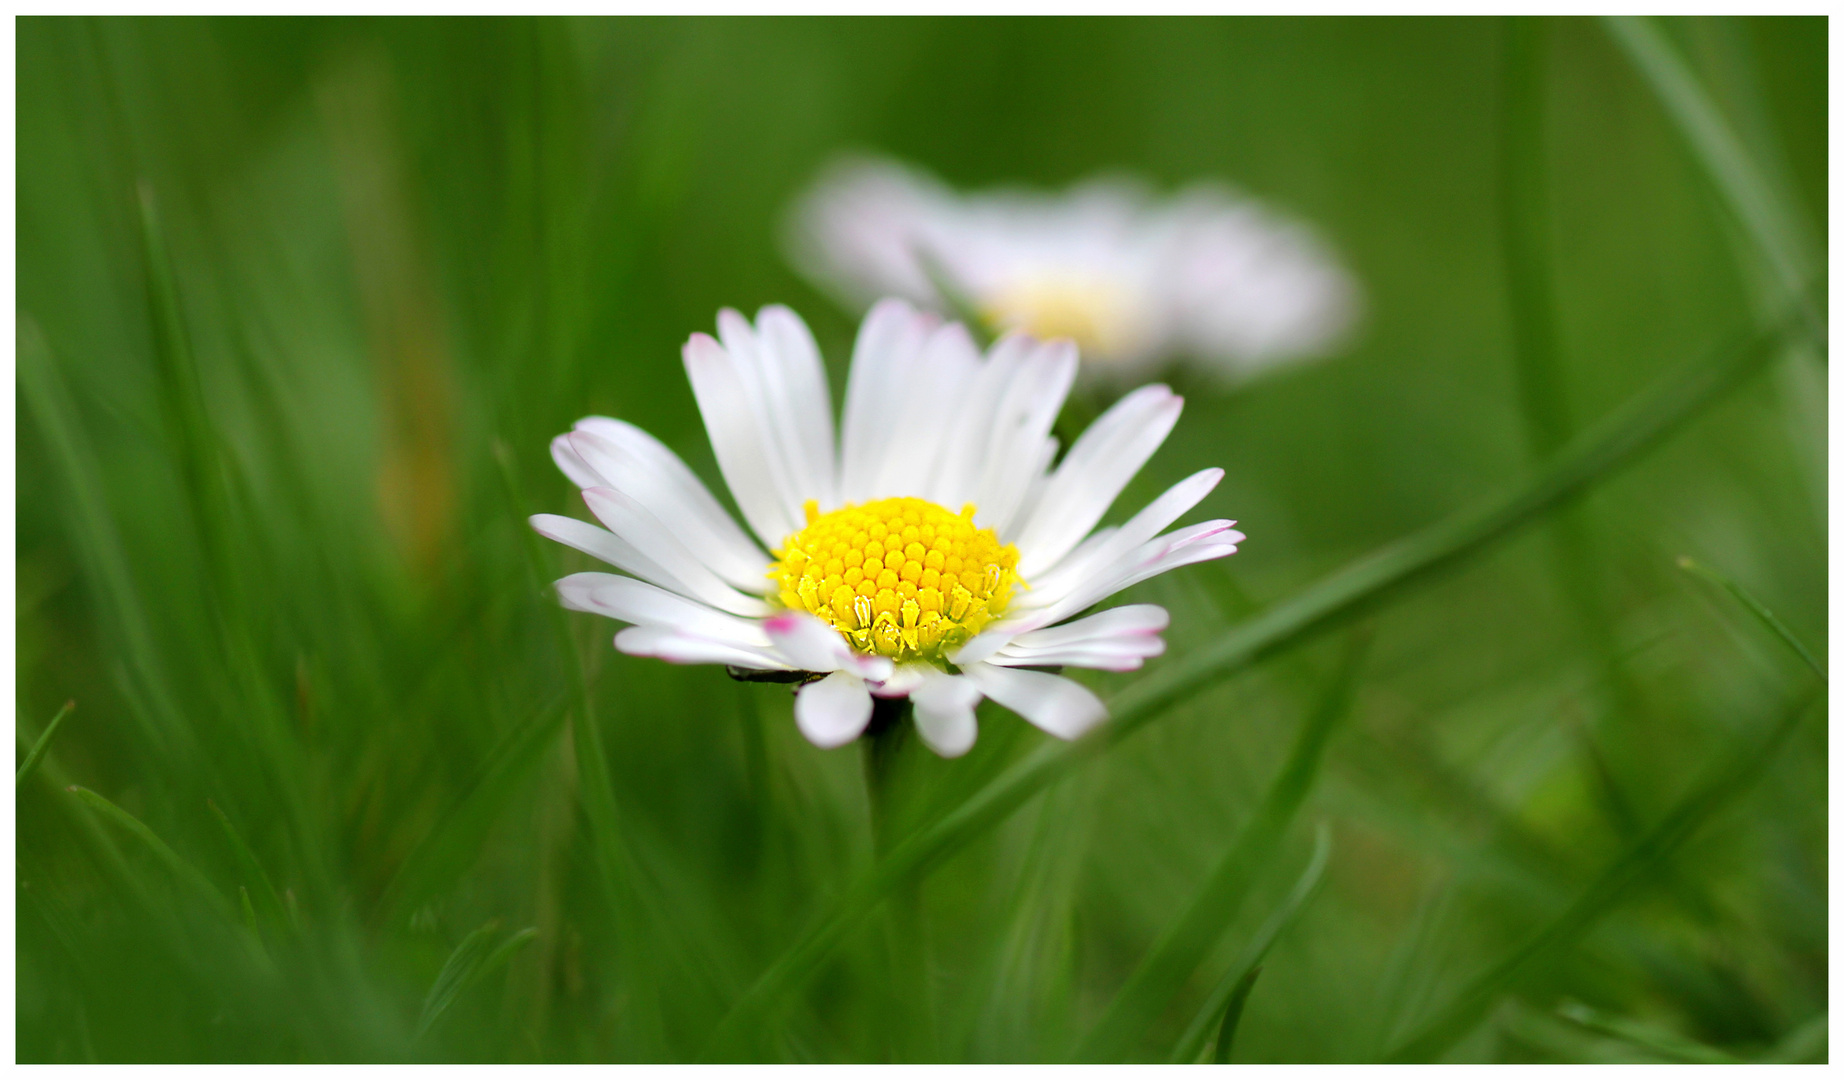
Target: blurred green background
<point x="302" y="302"/>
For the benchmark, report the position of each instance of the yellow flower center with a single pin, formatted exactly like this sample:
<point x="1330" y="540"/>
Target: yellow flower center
<point x="901" y="578"/>
<point x="1098" y="318"/>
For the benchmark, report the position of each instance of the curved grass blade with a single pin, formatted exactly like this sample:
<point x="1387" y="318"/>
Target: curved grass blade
<point x="1763" y="212"/>
<point x="595" y="787"/>
<point x="472" y="960"/>
<point x="1758" y="610"/>
<point x="197" y="442"/>
<point x="642" y="916"/>
<point x="1231" y="992"/>
<point x="249" y="912"/>
<point x="1542" y="393"/>
<point x="255" y="878"/>
<point x="1773" y="240"/>
<point x="181" y="869"/>
<point x="455" y="841"/>
<point x="1652" y="1040"/>
<point x="1803" y="1045"/>
<point x="1232" y="1016"/>
<point x="1728" y="778"/>
<point x="1390" y="572"/>
<point x="43" y="744"/>
<point x="92" y="528"/>
<point x="1189" y="940"/>
<point x="209" y="478"/>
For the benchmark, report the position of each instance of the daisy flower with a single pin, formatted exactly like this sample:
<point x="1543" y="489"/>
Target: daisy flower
<point x="931" y="551"/>
<point x="1136" y="281"/>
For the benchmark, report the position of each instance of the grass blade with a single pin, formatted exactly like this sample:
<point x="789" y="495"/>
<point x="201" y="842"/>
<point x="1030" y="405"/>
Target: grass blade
<point x="1803" y="1045"/>
<point x="255" y="878"/>
<point x="1232" y="1016"/>
<point x="1758" y="609"/>
<point x="595" y="788"/>
<point x="198" y="445"/>
<point x="1729" y="778"/>
<point x="181" y="869"/>
<point x="641" y="917"/>
<point x="98" y="541"/>
<point x="1189" y="940"/>
<point x="471" y="961"/>
<point x="1764" y="215"/>
<point x="455" y="974"/>
<point x="43" y="744"/>
<point x="508" y="949"/>
<point x="249" y="912"/>
<point x="1774" y="240"/>
<point x="1524" y="222"/>
<point x="1656" y="1041"/>
<point x="455" y="841"/>
<point x="469" y="964"/>
<point x="1232" y="991"/>
<point x="1391" y="572"/>
<point x="1542" y="397"/>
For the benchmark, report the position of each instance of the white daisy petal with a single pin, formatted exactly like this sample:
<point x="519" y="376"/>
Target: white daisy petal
<point x="903" y="680"/>
<point x="811" y="645"/>
<point x="973" y="435"/>
<point x="1104" y="547"/>
<point x="1020" y="434"/>
<point x="642" y="451"/>
<point x="855" y="229"/>
<point x="1253" y="289"/>
<point x="634" y="523"/>
<point x="1127" y="652"/>
<point x="673" y="495"/>
<point x="770" y="393"/>
<point x="1209" y="276"/>
<point x="889" y="339"/>
<point x="930" y="386"/>
<point x="679" y="648"/>
<point x="944" y="713"/>
<point x="606" y="546"/>
<point x="1059" y="706"/>
<point x="791" y="345"/>
<point x="984" y="645"/>
<point x="573" y="466"/>
<point x="1093" y="473"/>
<point x="744" y="454"/>
<point x="642" y="604"/>
<point x="1111" y="658"/>
<point x="1127" y="621"/>
<point x="1197" y="543"/>
<point x="834" y="710"/>
<point x="1119" y="639"/>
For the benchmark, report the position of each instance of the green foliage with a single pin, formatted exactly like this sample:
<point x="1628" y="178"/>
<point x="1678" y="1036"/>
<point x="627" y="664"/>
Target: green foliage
<point x="1755" y="608"/>
<point x="301" y="302"/>
<point x="1231" y="994"/>
<point x="41" y="745"/>
<point x="1172" y="959"/>
<point x="474" y="959"/>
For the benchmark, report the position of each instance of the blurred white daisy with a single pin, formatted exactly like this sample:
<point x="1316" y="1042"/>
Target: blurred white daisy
<point x="1207" y="275"/>
<point x="930" y="552"/>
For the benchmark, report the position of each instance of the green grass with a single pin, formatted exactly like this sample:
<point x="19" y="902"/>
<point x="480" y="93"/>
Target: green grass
<point x="301" y="303"/>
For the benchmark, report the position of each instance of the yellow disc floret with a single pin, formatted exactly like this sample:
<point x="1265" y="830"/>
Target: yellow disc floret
<point x="901" y="578"/>
<point x="1098" y="316"/>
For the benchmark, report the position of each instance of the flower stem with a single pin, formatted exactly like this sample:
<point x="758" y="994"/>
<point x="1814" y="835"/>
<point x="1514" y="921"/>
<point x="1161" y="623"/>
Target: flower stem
<point x="906" y="947"/>
<point x="883" y="740"/>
